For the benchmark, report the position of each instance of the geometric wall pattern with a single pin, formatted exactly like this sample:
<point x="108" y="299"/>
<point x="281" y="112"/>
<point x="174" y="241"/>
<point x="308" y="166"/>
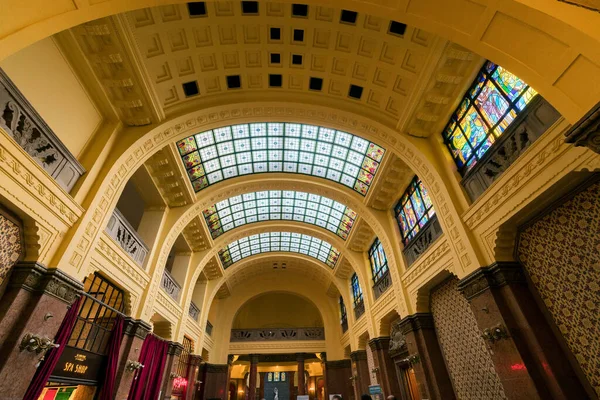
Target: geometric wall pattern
<point x="561" y="253"/>
<point x="10" y="246"/>
<point x="467" y="358"/>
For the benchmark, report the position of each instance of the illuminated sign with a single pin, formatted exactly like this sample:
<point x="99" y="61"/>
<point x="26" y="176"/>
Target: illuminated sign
<point x="179" y="383"/>
<point x="78" y="366"/>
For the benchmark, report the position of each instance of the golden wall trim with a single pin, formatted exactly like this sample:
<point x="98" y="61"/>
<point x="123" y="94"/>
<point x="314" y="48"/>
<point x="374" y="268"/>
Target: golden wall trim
<point x="284" y="346"/>
<point x="424" y="263"/>
<point x="113" y="253"/>
<point x="168" y="308"/>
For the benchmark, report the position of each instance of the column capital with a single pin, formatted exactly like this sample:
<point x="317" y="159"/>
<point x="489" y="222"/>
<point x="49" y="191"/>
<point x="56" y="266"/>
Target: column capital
<point x="175" y="349"/>
<point x="254" y="358"/>
<point x="216" y="368"/>
<point x="586" y="131"/>
<point x="195" y="360"/>
<point x="33" y="276"/>
<point x="380" y="343"/>
<point x="495" y="275"/>
<point x="358" y="355"/>
<point x="136" y="327"/>
<point x="300" y="357"/>
<point x="416" y="322"/>
<point x="337" y="364"/>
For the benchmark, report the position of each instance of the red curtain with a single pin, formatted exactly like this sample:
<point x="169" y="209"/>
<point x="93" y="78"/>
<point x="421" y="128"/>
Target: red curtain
<point x="114" y="349"/>
<point x="147" y="381"/>
<point x="47" y="366"/>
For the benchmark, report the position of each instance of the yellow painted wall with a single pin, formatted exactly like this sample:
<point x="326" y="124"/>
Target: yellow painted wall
<point x="46" y="79"/>
<point x="278" y="310"/>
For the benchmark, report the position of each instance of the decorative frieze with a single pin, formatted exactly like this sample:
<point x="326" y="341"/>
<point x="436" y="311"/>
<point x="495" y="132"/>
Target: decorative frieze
<point x="422" y="240"/>
<point x="174" y="349"/>
<point x="28" y="129"/>
<point x="136" y="327"/>
<point x="259" y="335"/>
<point x="35" y="277"/>
<point x="586" y="131"/>
<point x="493" y="276"/>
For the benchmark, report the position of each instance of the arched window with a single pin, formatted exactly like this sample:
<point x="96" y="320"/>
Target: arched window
<point x="357" y="294"/>
<point x="489" y="106"/>
<point x="414" y="210"/>
<point x="378" y="260"/>
<point x="238" y="150"/>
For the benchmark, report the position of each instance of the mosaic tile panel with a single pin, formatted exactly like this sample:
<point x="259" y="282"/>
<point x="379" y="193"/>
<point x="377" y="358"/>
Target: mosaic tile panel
<point x="467" y="358"/>
<point x="561" y="253"/>
<point x="10" y="246"/>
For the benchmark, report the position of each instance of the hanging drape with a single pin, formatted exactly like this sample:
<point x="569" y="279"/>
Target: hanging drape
<point x="147" y="380"/>
<point x="47" y="366"/>
<point x="112" y="364"/>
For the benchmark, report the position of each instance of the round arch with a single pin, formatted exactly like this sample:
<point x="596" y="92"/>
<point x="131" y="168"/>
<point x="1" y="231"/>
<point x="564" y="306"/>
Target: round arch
<point x="562" y="63"/>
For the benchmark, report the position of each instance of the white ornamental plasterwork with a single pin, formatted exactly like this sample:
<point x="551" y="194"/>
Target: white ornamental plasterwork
<point x="164" y="300"/>
<point x="433" y="255"/>
<point x="112" y="252"/>
<point x="387" y="300"/>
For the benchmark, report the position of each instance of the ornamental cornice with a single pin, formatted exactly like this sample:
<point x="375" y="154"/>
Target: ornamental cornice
<point x="164" y="300"/>
<point x="110" y="251"/>
<point x="136" y="327"/>
<point x="416" y="322"/>
<point x="35" y="277"/>
<point x="385" y="301"/>
<point x="174" y="349"/>
<point x="494" y="276"/>
<point x="287" y="346"/>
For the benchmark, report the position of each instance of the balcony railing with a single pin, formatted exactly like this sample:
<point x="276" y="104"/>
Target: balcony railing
<point x="359" y="309"/>
<point x="194" y="311"/>
<point x="344" y="325"/>
<point x="209" y="328"/>
<point x="260" y="335"/>
<point x="382" y="284"/>
<point x="169" y="285"/>
<point x="524" y="130"/>
<point x="28" y="129"/>
<point x="422" y="240"/>
<point x="119" y="229"/>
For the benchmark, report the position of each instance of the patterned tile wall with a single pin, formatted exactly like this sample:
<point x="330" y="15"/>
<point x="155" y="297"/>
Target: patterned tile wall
<point x="467" y="358"/>
<point x="561" y="253"/>
<point x="10" y="246"/>
<point x="371" y="365"/>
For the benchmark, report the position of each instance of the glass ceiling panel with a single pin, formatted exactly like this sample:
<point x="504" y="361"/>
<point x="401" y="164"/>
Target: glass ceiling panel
<point x="279" y="241"/>
<point x="215" y="155"/>
<point x="279" y="205"/>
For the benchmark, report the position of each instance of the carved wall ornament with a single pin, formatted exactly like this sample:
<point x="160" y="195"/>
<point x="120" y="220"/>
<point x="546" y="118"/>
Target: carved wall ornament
<point x="586" y="131"/>
<point x="495" y="333"/>
<point x="35" y="277"/>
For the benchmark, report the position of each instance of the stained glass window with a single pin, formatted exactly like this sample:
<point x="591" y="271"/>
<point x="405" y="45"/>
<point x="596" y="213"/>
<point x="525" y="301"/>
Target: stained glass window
<point x="357" y="294"/>
<point x="282" y="376"/>
<point x="378" y="260"/>
<point x="343" y="314"/>
<point x="279" y="241"/>
<point x="270" y="377"/>
<point x="414" y="210"/>
<point x="279" y="205"/>
<point x="489" y="106"/>
<point x="276" y="376"/>
<point x="215" y="155"/>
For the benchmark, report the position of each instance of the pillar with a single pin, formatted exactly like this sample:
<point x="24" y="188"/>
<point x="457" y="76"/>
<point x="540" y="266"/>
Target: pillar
<point x="337" y="378"/>
<point x="252" y="378"/>
<point x="527" y="355"/>
<point x="173" y="354"/>
<point x="386" y="370"/>
<point x="261" y="375"/>
<point x="192" y="376"/>
<point x="360" y="373"/>
<point x="215" y="381"/>
<point x="134" y="333"/>
<point x="35" y="302"/>
<point x="429" y="365"/>
<point x="323" y="358"/>
<point x="293" y="393"/>
<point x="300" y="372"/>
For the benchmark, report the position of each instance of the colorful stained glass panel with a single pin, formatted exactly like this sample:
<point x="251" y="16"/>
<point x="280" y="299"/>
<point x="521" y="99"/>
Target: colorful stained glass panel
<point x="414" y="210"/>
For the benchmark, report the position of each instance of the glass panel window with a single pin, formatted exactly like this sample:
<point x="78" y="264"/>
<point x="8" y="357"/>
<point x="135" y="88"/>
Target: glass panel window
<point x="270" y="377"/>
<point x="357" y="294"/>
<point x="279" y="205"/>
<point x="489" y="106"/>
<point x="276" y="376"/>
<point x="414" y="210"/>
<point x="282" y="376"/>
<point x="215" y="155"/>
<point x="378" y="260"/>
<point x="279" y="241"/>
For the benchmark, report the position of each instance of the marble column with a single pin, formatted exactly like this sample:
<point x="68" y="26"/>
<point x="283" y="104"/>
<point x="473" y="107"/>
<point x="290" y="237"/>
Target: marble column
<point x="215" y="381"/>
<point x="300" y="372"/>
<point x="386" y="370"/>
<point x="134" y="333"/>
<point x="173" y="355"/>
<point x="252" y="377"/>
<point x="361" y="377"/>
<point x="337" y="378"/>
<point x="192" y="376"/>
<point x="526" y="353"/>
<point x="35" y="302"/>
<point x="425" y="357"/>
<point x="261" y="376"/>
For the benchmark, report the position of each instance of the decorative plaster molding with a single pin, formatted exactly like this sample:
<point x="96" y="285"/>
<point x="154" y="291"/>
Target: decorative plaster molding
<point x="112" y="252"/>
<point x="287" y="346"/>
<point x="164" y="300"/>
<point x="586" y="131"/>
<point x="424" y="263"/>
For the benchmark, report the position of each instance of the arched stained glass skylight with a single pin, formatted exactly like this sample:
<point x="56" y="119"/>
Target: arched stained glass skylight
<point x="279" y="205"/>
<point x="279" y="241"/>
<point x="489" y="106"/>
<point x="215" y="155"/>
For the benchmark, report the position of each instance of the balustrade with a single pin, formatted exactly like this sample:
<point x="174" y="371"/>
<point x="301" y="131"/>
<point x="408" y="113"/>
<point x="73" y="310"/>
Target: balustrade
<point x="382" y="284"/>
<point x="359" y="309"/>
<point x="194" y="311"/>
<point x="529" y="125"/>
<point x="169" y="285"/>
<point x="20" y="120"/>
<point x="119" y="229"/>
<point x="209" y="328"/>
<point x="422" y="240"/>
<point x="344" y="325"/>
<point x="276" y="334"/>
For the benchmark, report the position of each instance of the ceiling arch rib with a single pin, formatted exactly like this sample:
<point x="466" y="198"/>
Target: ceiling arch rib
<point x="231" y="151"/>
<point x="273" y="205"/>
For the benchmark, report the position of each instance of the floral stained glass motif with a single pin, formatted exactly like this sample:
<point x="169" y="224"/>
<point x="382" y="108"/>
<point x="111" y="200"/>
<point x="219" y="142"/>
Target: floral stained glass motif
<point x="279" y="205"/>
<point x="223" y="153"/>
<point x="414" y="210"/>
<point x="494" y="100"/>
<point x="279" y="241"/>
<point x="378" y="260"/>
<point x="357" y="294"/>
